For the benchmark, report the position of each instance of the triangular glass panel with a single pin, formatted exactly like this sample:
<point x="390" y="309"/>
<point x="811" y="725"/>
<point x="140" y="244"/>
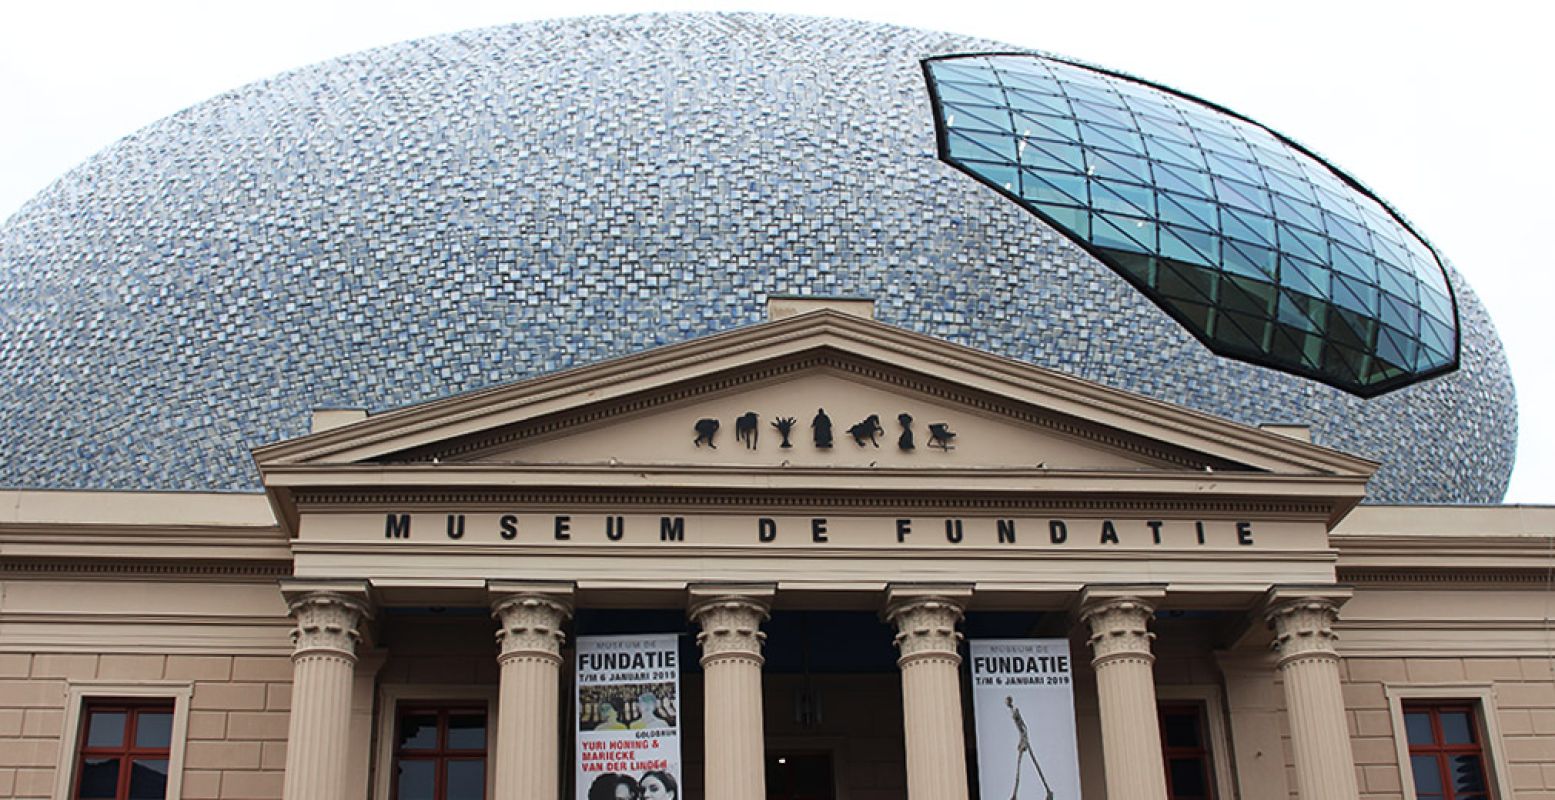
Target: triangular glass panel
<point x="1193" y="247"/>
<point x="980" y="146"/>
<point x="1121" y="166"/>
<point x="1187" y="211"/>
<point x="1053" y="187"/>
<point x="1048" y="126"/>
<point x="1183" y="180"/>
<point x="1074" y="221"/>
<point x="1303" y="244"/>
<point x="976" y="94"/>
<point x="1169" y="152"/>
<point x="1242" y="195"/>
<point x="1248" y="259"/>
<point x="1038" y="103"/>
<point x="1248" y="227"/>
<point x="1122" y="233"/>
<point x="959" y="116"/>
<point x="1122" y="198"/>
<point x="1053" y="155"/>
<point x="1240" y="169"/>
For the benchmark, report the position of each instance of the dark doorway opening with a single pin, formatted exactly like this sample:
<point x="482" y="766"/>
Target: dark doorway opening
<point x="800" y="776"/>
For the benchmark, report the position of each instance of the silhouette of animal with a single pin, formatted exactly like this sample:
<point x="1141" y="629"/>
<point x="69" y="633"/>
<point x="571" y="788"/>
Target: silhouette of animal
<point x="940" y="435"/>
<point x="745" y="429"/>
<point x="869" y="428"/>
<point x="905" y="441"/>
<point x="705" y="429"/>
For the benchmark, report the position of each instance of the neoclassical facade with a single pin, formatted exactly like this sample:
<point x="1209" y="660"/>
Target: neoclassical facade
<point x="1241" y="626"/>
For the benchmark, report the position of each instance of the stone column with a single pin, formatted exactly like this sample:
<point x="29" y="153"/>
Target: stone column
<point x="329" y="619"/>
<point x="1119" y="620"/>
<point x="731" y="638"/>
<point x="1319" y="734"/>
<point x="527" y="760"/>
<point x="926" y="636"/>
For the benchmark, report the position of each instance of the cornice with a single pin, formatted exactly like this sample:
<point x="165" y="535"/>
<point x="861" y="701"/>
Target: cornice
<point x="246" y="571"/>
<point x="1445" y="577"/>
<point x="343" y="500"/>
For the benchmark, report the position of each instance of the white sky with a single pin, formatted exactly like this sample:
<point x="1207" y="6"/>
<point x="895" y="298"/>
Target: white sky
<point x="1444" y="109"/>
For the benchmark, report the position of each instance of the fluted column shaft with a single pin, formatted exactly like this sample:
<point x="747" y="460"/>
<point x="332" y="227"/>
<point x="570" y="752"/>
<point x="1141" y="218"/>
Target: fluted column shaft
<point x="1320" y="736"/>
<point x="1125" y="688"/>
<point x="323" y="666"/>
<point x="927" y="639"/>
<point x="731" y="640"/>
<point x="529" y="641"/>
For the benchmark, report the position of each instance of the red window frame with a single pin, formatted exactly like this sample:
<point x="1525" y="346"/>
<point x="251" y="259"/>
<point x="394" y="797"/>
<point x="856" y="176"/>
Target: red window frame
<point x="441" y="753"/>
<point x="126" y="751"/>
<point x="1199" y="753"/>
<point x="1441" y="752"/>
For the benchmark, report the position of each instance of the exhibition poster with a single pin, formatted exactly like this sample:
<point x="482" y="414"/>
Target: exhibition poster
<point x="628" y="702"/>
<point x="1023" y="702"/>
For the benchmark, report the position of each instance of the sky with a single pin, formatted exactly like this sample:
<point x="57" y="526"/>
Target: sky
<point x="1443" y="109"/>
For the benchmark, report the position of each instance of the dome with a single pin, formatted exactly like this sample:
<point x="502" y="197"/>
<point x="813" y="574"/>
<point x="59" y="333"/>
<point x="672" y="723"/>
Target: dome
<point x="455" y="212"/>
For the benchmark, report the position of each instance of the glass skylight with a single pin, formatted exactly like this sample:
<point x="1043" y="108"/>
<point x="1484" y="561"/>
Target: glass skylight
<point x="1261" y="250"/>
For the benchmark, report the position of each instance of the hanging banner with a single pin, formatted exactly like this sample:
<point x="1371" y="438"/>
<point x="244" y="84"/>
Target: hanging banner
<point x="1023" y="701"/>
<point x="628" y="704"/>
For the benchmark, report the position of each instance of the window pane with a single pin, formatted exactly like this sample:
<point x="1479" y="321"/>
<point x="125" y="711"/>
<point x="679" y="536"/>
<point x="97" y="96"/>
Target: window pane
<point x="466" y="779"/>
<point x="1467" y="774"/>
<point x="1417" y="724"/>
<point x="416" y="780"/>
<point x="105" y="729"/>
<point x="1187" y="778"/>
<point x="1457" y="728"/>
<point x="1180" y="729"/>
<point x="467" y="731"/>
<point x="153" y="729"/>
<point x="148" y="780"/>
<point x="1428" y="779"/>
<point x="99" y="778"/>
<point x="418" y="732"/>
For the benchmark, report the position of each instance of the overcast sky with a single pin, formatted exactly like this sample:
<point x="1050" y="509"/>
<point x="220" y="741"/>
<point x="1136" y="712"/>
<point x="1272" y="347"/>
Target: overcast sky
<point x="1444" y="109"/>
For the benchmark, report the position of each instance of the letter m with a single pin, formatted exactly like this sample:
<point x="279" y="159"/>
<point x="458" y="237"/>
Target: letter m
<point x="396" y="526"/>
<point x="672" y="529"/>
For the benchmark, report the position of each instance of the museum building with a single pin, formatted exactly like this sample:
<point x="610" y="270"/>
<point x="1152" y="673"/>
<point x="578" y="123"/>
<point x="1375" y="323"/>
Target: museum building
<point x="354" y="422"/>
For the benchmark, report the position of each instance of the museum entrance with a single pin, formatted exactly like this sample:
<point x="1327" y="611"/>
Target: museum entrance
<point x="795" y="775"/>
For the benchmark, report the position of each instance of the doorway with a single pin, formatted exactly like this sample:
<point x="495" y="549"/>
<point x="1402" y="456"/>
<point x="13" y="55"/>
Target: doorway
<point x="800" y="776"/>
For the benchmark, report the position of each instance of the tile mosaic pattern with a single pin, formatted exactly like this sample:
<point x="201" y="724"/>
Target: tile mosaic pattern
<point x="1262" y="251"/>
<point x="457" y="212"/>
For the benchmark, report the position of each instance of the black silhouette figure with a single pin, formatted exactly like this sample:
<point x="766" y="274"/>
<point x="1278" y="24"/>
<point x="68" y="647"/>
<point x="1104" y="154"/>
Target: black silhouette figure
<point x="905" y="440"/>
<point x="822" y="426"/>
<point x="705" y="429"/>
<point x="940" y="435"/>
<point x="785" y="426"/>
<point x="869" y="428"/>
<point x="745" y="429"/>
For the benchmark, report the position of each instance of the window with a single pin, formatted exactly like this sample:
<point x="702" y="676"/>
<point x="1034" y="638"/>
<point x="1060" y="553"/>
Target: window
<point x="1445" y="754"/>
<point x="125" y="751"/>
<point x="440" y="753"/>
<point x="1185" y="752"/>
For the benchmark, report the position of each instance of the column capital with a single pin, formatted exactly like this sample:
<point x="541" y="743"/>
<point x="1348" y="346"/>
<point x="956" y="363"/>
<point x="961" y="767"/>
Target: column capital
<point x="1119" y="619"/>
<point x="730" y="616"/>
<point x="330" y="616"/>
<point x="530" y="617"/>
<point x="925" y="617"/>
<point x="1303" y="621"/>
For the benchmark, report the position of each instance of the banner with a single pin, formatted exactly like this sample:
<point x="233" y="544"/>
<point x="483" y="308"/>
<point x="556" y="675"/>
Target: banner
<point x="628" y="711"/>
<point x="1023" y="701"/>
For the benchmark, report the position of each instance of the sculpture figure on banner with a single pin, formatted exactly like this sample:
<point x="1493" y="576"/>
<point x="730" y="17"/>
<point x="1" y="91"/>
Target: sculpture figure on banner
<point x="1023" y="750"/>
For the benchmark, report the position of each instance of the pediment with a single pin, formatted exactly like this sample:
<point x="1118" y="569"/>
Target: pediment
<point x="645" y="410"/>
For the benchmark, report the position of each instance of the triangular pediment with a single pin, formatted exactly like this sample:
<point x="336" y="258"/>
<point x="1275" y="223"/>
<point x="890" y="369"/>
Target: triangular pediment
<point x="680" y="415"/>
